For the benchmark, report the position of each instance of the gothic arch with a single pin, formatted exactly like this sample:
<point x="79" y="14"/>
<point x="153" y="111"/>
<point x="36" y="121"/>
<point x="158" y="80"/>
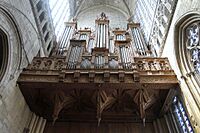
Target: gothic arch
<point x="187" y="51"/>
<point x="187" y="46"/>
<point x="3" y="53"/>
<point x="11" y="46"/>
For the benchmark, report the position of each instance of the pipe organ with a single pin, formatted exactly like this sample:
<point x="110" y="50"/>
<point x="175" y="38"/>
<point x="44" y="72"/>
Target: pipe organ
<point x="122" y="46"/>
<point x="75" y="50"/>
<point x="91" y="45"/>
<point x="99" y="61"/>
<point x="85" y="35"/>
<point x="125" y="56"/>
<point x="102" y="45"/>
<point x="102" y="31"/>
<point x="111" y="46"/>
<point x="102" y="76"/>
<point x="65" y="39"/>
<point x="138" y="43"/>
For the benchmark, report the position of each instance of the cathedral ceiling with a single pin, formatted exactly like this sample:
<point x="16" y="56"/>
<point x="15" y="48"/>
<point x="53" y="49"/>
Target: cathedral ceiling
<point x="126" y="6"/>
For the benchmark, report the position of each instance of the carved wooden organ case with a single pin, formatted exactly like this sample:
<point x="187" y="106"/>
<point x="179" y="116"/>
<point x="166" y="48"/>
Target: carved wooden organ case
<point x="101" y="75"/>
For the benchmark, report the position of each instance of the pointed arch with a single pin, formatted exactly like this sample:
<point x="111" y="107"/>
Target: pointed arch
<point x="3" y="52"/>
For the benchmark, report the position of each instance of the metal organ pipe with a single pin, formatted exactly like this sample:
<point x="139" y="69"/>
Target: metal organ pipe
<point x="91" y="45"/>
<point x="140" y="41"/>
<point x="75" y="53"/>
<point x="65" y="40"/>
<point x="100" y="61"/>
<point x="135" y="42"/>
<point x="111" y="47"/>
<point x="120" y="49"/>
<point x="62" y="40"/>
<point x="101" y="35"/>
<point x="99" y="32"/>
<point x="125" y="58"/>
<point x="73" y="56"/>
<point x="104" y="35"/>
<point x="63" y="37"/>
<point x="126" y="54"/>
<point x="98" y="35"/>
<point x="122" y="52"/>
<point x="107" y="38"/>
<point x="79" y="52"/>
<point x="97" y="62"/>
<point x="68" y="37"/>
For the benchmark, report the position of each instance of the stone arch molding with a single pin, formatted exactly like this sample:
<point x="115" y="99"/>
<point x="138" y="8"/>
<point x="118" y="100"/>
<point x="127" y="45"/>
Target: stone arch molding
<point x="13" y="55"/>
<point x="187" y="39"/>
<point x="187" y="46"/>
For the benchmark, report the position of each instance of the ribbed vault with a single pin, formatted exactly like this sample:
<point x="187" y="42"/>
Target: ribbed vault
<point x="126" y="6"/>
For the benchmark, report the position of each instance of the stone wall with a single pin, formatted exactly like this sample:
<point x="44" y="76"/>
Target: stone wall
<point x="184" y="7"/>
<point x="17" y="21"/>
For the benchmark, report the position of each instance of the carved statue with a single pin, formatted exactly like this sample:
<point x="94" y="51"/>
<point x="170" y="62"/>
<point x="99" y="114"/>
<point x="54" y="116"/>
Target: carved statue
<point x="102" y="16"/>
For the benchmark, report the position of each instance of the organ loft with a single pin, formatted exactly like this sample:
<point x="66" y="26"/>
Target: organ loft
<point x="102" y="80"/>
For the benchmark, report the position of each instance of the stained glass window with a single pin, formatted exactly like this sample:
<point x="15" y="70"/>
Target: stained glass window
<point x="181" y="116"/>
<point x="193" y="47"/>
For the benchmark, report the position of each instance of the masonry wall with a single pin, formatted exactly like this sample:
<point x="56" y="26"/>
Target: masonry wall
<point x="183" y="7"/>
<point x="17" y="21"/>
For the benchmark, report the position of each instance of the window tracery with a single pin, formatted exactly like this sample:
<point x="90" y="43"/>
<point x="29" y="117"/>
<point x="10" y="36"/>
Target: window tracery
<point x="181" y="116"/>
<point x="193" y="46"/>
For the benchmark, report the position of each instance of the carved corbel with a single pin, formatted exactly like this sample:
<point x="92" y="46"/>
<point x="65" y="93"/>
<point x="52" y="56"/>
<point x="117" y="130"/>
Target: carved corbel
<point x="91" y="76"/>
<point x="103" y="102"/>
<point x="60" y="101"/>
<point x="106" y="76"/>
<point x="144" y="100"/>
<point x="136" y="77"/>
<point x="61" y="76"/>
<point x="76" y="76"/>
<point x="121" y="76"/>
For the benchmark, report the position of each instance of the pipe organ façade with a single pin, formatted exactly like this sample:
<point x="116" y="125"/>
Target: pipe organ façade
<point x="102" y="48"/>
<point x="101" y="77"/>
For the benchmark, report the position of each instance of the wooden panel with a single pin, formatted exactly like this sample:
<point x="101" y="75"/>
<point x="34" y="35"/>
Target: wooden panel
<point x="69" y="127"/>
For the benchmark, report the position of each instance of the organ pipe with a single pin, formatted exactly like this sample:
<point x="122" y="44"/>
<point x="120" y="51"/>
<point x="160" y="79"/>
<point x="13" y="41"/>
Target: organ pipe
<point x="74" y="55"/>
<point x="99" y="36"/>
<point x="107" y="36"/>
<point x="102" y="35"/>
<point x="139" y="41"/>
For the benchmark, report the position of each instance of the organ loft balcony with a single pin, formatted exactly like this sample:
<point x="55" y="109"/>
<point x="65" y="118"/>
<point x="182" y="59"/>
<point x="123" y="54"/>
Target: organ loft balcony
<point x="101" y="76"/>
